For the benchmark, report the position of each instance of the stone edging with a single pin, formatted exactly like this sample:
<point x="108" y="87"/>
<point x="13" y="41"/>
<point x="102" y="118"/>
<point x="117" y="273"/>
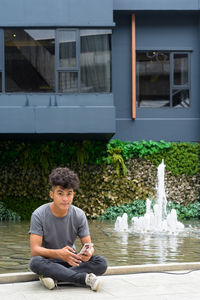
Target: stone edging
<point x="30" y="276"/>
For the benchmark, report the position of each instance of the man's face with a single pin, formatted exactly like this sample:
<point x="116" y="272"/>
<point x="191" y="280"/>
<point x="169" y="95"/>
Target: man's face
<point x="62" y="198"/>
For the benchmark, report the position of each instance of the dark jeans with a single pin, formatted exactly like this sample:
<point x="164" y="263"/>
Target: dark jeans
<point x="60" y="270"/>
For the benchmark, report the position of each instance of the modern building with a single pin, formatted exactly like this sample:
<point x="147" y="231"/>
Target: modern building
<point x="126" y="69"/>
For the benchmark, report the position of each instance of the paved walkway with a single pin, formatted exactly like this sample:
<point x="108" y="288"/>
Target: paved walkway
<point x="142" y="286"/>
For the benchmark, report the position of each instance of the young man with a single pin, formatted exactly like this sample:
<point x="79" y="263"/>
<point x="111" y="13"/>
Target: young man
<point x="54" y="228"/>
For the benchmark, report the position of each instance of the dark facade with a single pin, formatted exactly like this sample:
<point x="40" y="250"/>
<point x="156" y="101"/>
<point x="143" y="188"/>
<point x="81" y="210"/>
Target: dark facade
<point x="66" y="69"/>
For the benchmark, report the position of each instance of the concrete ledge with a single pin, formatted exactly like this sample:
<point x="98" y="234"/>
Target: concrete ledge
<point x="152" y="268"/>
<point x="18" y="277"/>
<point x="30" y="276"/>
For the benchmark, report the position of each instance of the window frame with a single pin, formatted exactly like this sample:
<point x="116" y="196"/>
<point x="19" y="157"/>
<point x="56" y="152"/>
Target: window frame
<point x="57" y="69"/>
<point x="171" y="74"/>
<point x="179" y="87"/>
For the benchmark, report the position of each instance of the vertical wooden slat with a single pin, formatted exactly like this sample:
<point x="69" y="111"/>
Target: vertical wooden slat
<point x="133" y="51"/>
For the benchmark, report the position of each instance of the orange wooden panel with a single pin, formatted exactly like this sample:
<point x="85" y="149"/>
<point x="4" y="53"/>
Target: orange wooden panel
<point x="133" y="54"/>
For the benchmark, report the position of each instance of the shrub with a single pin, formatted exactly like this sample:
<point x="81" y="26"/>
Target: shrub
<point x="8" y="215"/>
<point x="185" y="212"/>
<point x="22" y="206"/>
<point x="181" y="158"/>
<point x="139" y="149"/>
<point x="137" y="208"/>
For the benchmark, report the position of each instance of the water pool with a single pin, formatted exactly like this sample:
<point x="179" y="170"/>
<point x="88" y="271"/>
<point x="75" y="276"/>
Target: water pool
<point x="119" y="248"/>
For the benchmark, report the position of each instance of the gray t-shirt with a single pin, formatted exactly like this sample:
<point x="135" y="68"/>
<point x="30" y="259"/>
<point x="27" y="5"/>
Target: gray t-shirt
<point x="59" y="232"/>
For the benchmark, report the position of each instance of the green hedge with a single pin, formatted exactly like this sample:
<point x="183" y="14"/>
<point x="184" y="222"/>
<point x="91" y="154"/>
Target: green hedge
<point x="139" y="149"/>
<point x="110" y="173"/>
<point x="137" y="208"/>
<point x="181" y="158"/>
<point x="47" y="154"/>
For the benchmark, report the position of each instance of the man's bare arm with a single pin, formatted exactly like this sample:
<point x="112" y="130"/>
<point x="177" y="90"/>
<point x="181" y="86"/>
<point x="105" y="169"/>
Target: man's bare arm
<point x="66" y="254"/>
<point x="88" y="254"/>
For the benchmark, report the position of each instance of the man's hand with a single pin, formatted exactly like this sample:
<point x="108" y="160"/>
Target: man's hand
<point x="68" y="254"/>
<point x="86" y="255"/>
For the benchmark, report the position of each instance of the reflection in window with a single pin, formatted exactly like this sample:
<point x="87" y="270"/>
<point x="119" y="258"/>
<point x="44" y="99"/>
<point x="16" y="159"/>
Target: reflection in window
<point x="153" y="79"/>
<point x="95" y="61"/>
<point x="57" y="60"/>
<point x="162" y="79"/>
<point x="68" y="82"/>
<point x="29" y="60"/>
<point x="67" y="48"/>
<point x="180" y="69"/>
<point x="180" y="91"/>
<point x="181" y="98"/>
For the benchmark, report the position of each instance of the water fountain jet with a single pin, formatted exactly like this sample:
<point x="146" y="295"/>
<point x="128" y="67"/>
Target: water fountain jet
<point x="156" y="219"/>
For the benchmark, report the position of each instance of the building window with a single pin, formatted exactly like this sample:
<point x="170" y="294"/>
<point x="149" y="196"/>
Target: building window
<point x="29" y="60"/>
<point x="95" y="61"/>
<point x="57" y="60"/>
<point x="163" y="79"/>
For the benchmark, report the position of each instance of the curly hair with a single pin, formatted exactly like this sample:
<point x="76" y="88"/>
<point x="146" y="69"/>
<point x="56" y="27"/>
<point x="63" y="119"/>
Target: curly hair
<point x="65" y="178"/>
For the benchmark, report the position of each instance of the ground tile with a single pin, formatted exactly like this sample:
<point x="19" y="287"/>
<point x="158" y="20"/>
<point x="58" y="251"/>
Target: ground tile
<point x="17" y="296"/>
<point x="69" y="296"/>
<point x="153" y="279"/>
<point x="116" y="286"/>
<point x="184" y="297"/>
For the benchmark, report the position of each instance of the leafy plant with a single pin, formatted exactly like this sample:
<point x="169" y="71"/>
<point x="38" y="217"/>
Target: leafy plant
<point x="185" y="212"/>
<point x="47" y="154"/>
<point x="181" y="158"/>
<point x="8" y="215"/>
<point x="22" y="206"/>
<point x="81" y="151"/>
<point x="137" y="208"/>
<point x="115" y="157"/>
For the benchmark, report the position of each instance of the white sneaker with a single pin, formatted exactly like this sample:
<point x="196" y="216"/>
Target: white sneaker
<point x="93" y="281"/>
<point x="48" y="282"/>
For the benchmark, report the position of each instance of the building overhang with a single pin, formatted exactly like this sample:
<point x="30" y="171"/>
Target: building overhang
<point x="160" y="5"/>
<point x="83" y="114"/>
<point x="67" y="13"/>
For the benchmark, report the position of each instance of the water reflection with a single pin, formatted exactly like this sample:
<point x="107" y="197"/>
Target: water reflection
<point x="120" y="248"/>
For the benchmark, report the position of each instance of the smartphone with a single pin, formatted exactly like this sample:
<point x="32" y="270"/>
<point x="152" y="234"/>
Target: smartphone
<point x="86" y="247"/>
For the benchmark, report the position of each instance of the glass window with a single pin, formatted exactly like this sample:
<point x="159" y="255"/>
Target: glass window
<point x="67" y="48"/>
<point x="180" y="98"/>
<point x="180" y="69"/>
<point x="57" y="60"/>
<point x="95" y="61"/>
<point x="29" y="60"/>
<point x="153" y="79"/>
<point x="68" y="82"/>
<point x="162" y="79"/>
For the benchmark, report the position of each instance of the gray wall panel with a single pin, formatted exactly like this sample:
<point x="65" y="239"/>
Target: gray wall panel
<point x="156" y="5"/>
<point x="155" y="31"/>
<point x="17" y="120"/>
<point x="75" y="120"/>
<point x="168" y="130"/>
<point x="56" y="13"/>
<point x="121" y="66"/>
